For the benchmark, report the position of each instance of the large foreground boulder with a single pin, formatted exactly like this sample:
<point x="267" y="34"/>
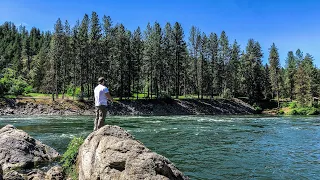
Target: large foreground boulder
<point x="112" y="153"/>
<point x="19" y="150"/>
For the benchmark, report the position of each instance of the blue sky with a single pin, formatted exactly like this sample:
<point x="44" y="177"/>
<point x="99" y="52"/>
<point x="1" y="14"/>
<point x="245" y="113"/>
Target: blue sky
<point x="290" y="24"/>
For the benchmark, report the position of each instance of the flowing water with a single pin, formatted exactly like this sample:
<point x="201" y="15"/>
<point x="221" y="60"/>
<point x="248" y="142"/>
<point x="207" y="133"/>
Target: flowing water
<point x="205" y="147"/>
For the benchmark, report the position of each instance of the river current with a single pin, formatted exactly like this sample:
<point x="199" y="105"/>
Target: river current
<point x="204" y="147"/>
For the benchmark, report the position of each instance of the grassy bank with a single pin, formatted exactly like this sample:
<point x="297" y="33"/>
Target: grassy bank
<point x="293" y="108"/>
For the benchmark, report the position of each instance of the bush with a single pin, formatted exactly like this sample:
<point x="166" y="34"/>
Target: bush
<point x="69" y="157"/>
<point x="304" y="111"/>
<point x="256" y="107"/>
<point x="313" y="111"/>
<point x="10" y="84"/>
<point x="281" y="111"/>
<point x="73" y="89"/>
<point x="18" y="86"/>
<point x="292" y="105"/>
<point x="227" y="93"/>
<point x="285" y="104"/>
<point x="292" y="112"/>
<point x="28" y="89"/>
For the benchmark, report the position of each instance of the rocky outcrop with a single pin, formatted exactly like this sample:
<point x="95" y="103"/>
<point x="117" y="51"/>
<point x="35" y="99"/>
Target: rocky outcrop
<point x="55" y="173"/>
<point x="31" y="106"/>
<point x="13" y="175"/>
<point x="35" y="175"/>
<point x="112" y="153"/>
<point x="19" y="150"/>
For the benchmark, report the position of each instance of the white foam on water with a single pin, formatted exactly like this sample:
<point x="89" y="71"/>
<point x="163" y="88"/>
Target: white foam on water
<point x="67" y="135"/>
<point x="214" y="120"/>
<point x="139" y="130"/>
<point x="154" y="122"/>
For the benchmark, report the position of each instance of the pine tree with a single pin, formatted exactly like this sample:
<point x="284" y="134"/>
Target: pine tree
<point x="179" y="55"/>
<point x="213" y="54"/>
<point x="95" y="51"/>
<point x="275" y="71"/>
<point x="137" y="53"/>
<point x="267" y="83"/>
<point x="291" y="69"/>
<point x="107" y="46"/>
<point x="41" y="61"/>
<point x="303" y="84"/>
<point x="168" y="60"/>
<point x="66" y="64"/>
<point x="299" y="56"/>
<point x="56" y="53"/>
<point x="84" y="55"/>
<point x="75" y="58"/>
<point x="194" y="45"/>
<point x="252" y="71"/>
<point x="223" y="63"/>
<point x="120" y="58"/>
<point x="156" y="57"/>
<point x="234" y="68"/>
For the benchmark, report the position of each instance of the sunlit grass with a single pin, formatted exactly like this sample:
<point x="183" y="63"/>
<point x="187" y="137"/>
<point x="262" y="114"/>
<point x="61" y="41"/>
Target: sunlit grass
<point x="10" y="96"/>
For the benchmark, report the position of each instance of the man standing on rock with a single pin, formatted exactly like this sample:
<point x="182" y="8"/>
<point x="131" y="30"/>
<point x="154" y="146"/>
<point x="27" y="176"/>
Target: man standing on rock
<point x="101" y="96"/>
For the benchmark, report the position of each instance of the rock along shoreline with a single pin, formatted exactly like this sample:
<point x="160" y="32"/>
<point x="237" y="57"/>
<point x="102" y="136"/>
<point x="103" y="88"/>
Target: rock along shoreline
<point x="32" y="106"/>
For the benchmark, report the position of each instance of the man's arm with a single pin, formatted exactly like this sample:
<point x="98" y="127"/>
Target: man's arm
<point x="109" y="96"/>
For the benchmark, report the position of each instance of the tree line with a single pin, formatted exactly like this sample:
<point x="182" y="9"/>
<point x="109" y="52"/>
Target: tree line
<point x="157" y="62"/>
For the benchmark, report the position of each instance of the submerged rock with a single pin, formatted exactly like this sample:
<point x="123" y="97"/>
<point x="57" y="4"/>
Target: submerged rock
<point x="112" y="153"/>
<point x="19" y="150"/>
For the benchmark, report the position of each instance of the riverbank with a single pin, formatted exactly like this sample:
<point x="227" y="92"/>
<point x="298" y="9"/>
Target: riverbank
<point x="40" y="106"/>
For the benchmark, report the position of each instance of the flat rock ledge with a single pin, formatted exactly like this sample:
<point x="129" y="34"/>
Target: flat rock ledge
<point x="18" y="150"/>
<point x="113" y="153"/>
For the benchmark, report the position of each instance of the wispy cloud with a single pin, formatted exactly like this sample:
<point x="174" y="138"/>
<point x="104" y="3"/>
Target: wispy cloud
<point x="24" y="24"/>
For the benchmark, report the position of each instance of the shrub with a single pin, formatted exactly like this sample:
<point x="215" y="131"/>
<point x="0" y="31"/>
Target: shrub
<point x="292" y="112"/>
<point x="313" y="111"/>
<point x="304" y="111"/>
<point x="69" y="157"/>
<point x="256" y="107"/>
<point x="285" y="104"/>
<point x="292" y="104"/>
<point x="227" y="93"/>
<point x="73" y="89"/>
<point x="281" y="111"/>
<point x="28" y="89"/>
<point x="18" y="86"/>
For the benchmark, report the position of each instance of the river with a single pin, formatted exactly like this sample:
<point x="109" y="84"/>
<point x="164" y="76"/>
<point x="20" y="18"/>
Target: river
<point x="204" y="147"/>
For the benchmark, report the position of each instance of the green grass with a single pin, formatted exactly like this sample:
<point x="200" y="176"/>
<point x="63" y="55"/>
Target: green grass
<point x="41" y="95"/>
<point x="10" y="96"/>
<point x="68" y="159"/>
<point x="37" y="95"/>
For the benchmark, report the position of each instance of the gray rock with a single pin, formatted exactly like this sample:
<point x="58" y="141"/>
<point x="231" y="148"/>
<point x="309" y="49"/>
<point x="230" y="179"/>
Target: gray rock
<point x="55" y="173"/>
<point x="1" y="178"/>
<point x="19" y="150"/>
<point x="113" y="153"/>
<point x="13" y="175"/>
<point x="35" y="175"/>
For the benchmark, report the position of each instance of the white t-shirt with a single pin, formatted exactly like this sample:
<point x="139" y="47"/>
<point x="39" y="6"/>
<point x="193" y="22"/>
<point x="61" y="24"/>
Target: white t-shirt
<point x="100" y="95"/>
